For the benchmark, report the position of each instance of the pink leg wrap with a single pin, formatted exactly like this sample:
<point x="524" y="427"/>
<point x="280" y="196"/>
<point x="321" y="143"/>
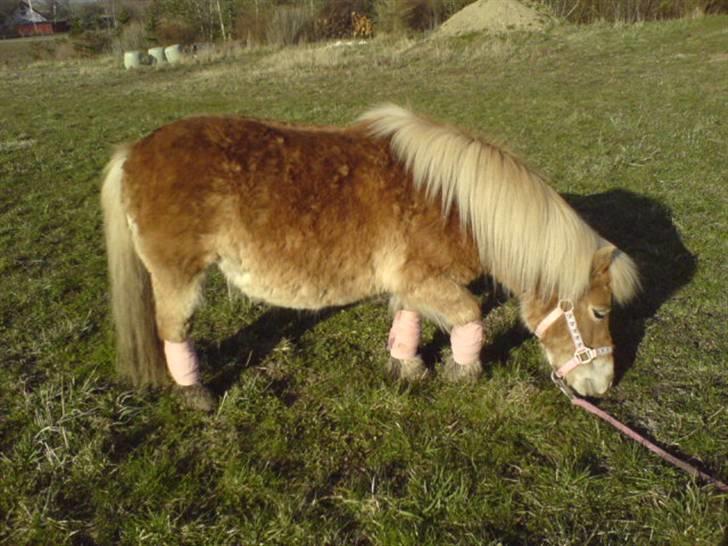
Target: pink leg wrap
<point x="182" y="362"/>
<point x="466" y="341"/>
<point x="404" y="337"/>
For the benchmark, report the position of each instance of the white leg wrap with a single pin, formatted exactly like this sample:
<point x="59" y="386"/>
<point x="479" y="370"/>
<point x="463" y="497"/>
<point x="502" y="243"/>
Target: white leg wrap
<point x="182" y="362"/>
<point x="467" y="341"/>
<point x="404" y="337"/>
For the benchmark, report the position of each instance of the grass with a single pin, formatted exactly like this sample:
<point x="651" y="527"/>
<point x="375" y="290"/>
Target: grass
<point x="311" y="443"/>
<point x="21" y="51"/>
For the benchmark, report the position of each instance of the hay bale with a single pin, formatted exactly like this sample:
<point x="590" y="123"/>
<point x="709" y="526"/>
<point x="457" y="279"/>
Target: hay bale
<point x="132" y="59"/>
<point x="157" y="55"/>
<point x="173" y="54"/>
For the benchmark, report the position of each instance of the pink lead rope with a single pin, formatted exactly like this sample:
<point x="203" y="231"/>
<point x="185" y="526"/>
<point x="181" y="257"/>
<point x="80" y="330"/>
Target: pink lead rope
<point x="584" y="355"/>
<point x="624" y="429"/>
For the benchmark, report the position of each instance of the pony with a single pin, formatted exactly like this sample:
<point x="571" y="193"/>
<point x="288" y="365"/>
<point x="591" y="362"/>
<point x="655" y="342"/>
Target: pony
<point x="308" y="217"/>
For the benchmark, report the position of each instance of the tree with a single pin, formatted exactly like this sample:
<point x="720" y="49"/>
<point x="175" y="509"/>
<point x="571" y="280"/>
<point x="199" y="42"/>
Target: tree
<point x="7" y="8"/>
<point x="211" y="18"/>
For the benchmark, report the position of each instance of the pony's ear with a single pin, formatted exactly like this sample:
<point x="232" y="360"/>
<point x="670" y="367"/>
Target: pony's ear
<point x="600" y="263"/>
<point x="612" y="267"/>
<point x="624" y="279"/>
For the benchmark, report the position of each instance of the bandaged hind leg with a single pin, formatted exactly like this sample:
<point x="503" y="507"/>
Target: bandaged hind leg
<point x="466" y="342"/>
<point x="182" y="362"/>
<point x="175" y="301"/>
<point x="404" y="338"/>
<point x="184" y="368"/>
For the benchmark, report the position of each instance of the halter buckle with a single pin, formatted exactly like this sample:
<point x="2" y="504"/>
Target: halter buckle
<point x="585" y="355"/>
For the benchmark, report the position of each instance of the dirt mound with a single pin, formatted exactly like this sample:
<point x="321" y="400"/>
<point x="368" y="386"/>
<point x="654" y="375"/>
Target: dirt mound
<point x="493" y="16"/>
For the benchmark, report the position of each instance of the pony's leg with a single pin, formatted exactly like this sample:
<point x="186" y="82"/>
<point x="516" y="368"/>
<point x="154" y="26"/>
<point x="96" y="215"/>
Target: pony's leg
<point x="404" y="337"/>
<point x="454" y="307"/>
<point x="463" y="364"/>
<point x="175" y="299"/>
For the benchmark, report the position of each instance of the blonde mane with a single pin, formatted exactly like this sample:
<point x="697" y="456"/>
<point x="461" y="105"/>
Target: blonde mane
<point x="528" y="237"/>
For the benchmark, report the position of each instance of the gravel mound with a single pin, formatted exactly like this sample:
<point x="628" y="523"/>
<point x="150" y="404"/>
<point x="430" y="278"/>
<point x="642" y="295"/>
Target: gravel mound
<point x="493" y="16"/>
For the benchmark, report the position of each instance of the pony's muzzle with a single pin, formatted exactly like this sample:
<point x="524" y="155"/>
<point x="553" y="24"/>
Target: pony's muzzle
<point x="594" y="378"/>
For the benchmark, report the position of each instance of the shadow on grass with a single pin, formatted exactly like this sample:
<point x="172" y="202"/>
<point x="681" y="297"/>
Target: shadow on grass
<point x="643" y="228"/>
<point x="640" y="226"/>
<point x="250" y="345"/>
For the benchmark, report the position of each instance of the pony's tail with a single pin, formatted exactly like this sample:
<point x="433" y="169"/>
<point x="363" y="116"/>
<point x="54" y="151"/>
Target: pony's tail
<point x="139" y="354"/>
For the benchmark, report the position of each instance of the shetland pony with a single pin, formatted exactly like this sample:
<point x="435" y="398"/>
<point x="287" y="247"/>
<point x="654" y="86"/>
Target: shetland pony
<point x="308" y="217"/>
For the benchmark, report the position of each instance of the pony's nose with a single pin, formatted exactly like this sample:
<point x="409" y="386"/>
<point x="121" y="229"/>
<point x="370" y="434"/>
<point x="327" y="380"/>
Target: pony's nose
<point x="584" y="387"/>
<point x="589" y="387"/>
<point x="593" y="379"/>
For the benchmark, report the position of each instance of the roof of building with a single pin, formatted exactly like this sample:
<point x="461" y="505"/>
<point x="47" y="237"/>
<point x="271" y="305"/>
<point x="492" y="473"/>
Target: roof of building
<point x="26" y="15"/>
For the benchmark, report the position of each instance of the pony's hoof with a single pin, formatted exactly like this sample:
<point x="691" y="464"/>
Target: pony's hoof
<point x="409" y="369"/>
<point x="461" y="373"/>
<point x="197" y="397"/>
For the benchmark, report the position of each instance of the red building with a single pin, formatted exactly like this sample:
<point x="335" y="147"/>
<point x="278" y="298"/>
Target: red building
<point x="26" y="21"/>
<point x="34" y="29"/>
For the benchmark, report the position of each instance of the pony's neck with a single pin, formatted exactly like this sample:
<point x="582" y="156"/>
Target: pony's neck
<point x="526" y="234"/>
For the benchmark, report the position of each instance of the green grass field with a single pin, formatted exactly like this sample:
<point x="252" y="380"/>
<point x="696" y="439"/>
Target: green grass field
<point x="312" y="444"/>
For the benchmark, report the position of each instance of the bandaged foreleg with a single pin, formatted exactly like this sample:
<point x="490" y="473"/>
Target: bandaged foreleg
<point x="404" y="337"/>
<point x="182" y="362"/>
<point x="466" y="342"/>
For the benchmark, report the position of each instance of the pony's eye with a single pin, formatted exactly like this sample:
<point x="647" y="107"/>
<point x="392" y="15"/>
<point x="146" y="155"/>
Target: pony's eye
<point x="599" y="314"/>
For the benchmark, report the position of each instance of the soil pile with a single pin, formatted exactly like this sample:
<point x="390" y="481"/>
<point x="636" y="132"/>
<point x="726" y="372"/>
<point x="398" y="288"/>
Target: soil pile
<point x="493" y="16"/>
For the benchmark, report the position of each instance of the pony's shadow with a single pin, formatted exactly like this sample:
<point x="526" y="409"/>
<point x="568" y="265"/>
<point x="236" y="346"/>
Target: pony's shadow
<point x="643" y="228"/>
<point x="254" y="342"/>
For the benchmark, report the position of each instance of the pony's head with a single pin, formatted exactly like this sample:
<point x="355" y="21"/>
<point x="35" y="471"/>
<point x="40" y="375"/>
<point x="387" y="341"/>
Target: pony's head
<point x="574" y="333"/>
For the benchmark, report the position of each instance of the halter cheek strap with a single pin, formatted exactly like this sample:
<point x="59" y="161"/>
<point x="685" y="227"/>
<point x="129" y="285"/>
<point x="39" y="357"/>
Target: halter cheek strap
<point x="582" y="353"/>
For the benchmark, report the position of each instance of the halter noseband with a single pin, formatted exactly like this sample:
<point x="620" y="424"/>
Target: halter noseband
<point x="582" y="354"/>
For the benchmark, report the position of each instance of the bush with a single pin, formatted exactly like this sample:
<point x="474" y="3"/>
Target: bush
<point x="42" y="50"/>
<point x="337" y="19"/>
<point x="60" y="48"/>
<point x="132" y="36"/>
<point x="175" y="31"/>
<point x="92" y="42"/>
<point x="251" y="24"/>
<point x="398" y="16"/>
<point x="288" y="25"/>
<point x="89" y="18"/>
<point x="419" y="15"/>
<point x="129" y="12"/>
<point x="188" y="21"/>
<point x="629" y="11"/>
<point x="363" y="27"/>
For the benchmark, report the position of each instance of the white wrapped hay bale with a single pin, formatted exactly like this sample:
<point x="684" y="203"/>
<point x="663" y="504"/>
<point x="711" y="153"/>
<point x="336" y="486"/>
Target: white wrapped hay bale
<point x="132" y="59"/>
<point x="157" y="55"/>
<point x="173" y="53"/>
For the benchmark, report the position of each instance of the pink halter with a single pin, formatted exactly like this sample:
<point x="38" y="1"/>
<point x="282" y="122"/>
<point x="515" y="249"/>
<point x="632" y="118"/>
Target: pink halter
<point x="582" y="353"/>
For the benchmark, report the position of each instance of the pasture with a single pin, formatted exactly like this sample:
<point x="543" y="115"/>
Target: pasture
<point x="312" y="443"/>
<point x="21" y="51"/>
